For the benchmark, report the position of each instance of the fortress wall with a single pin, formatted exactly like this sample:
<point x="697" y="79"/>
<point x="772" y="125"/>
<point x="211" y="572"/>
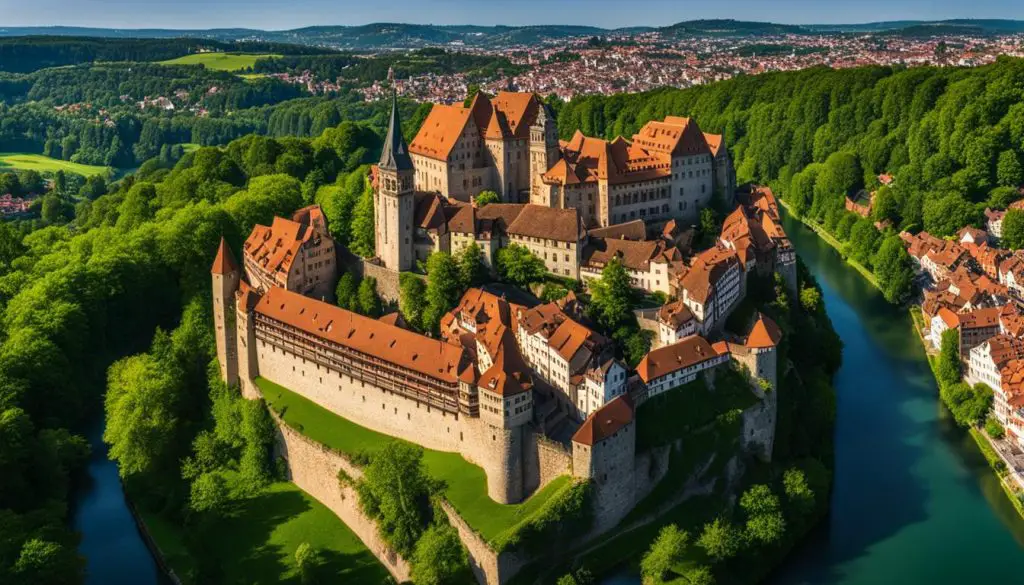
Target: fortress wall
<point x="489" y="567"/>
<point x="758" y="430"/>
<point x="498" y="451"/>
<point x="314" y="468"/>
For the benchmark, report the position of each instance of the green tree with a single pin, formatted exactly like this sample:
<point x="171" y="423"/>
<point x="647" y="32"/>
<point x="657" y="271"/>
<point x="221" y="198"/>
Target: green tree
<point x="893" y="269"/>
<point x="472" y="271"/>
<point x="946" y="214"/>
<point x="364" y="235"/>
<point x="666" y="551"/>
<point x="709" y="227"/>
<point x="1008" y="169"/>
<point x="720" y="540"/>
<point x="612" y="295"/>
<point x="369" y="302"/>
<point x="765" y="524"/>
<point x="518" y="265"/>
<point x="1013" y="229"/>
<point x="412" y="299"/>
<point x="798" y="492"/>
<point x="486" y="197"/>
<point x="395" y="490"/>
<point x="948" y="369"/>
<point x="994" y="429"/>
<point x="209" y="493"/>
<point x="141" y="411"/>
<point x="346" y="292"/>
<point x="440" y="558"/>
<point x="308" y="562"/>
<point x="43" y="562"/>
<point x="699" y="575"/>
<point x="444" y="287"/>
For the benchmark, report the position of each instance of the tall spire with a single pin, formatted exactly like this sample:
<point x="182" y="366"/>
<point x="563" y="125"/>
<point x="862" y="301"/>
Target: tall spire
<point x="395" y="156"/>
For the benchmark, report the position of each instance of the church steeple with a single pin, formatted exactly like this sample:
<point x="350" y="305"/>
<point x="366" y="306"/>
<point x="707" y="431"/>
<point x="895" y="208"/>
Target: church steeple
<point x="395" y="156"/>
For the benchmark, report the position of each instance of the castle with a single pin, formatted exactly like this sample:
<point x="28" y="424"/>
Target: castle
<point x="527" y="393"/>
<point x="509" y="144"/>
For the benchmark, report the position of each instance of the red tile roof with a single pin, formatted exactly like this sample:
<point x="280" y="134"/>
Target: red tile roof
<point x="225" y="260"/>
<point x="682" y="354"/>
<point x="605" y="421"/>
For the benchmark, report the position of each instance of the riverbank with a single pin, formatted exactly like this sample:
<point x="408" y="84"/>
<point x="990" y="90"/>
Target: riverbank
<point x="1000" y="464"/>
<point x="910" y="485"/>
<point x="832" y="241"/>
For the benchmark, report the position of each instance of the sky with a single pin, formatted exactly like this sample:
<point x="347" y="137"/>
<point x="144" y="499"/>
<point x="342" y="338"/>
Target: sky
<point x="285" y="14"/>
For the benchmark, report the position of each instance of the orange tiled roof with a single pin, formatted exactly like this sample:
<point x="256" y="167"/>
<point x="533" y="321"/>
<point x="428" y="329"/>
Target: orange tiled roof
<point x="275" y="247"/>
<point x="225" y="260"/>
<point x="682" y="354"/>
<point x="370" y="337"/>
<point x="765" y="333"/>
<point x="605" y="421"/>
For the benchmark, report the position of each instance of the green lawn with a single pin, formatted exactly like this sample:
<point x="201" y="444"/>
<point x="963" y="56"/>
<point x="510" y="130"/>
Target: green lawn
<point x="466" y="483"/>
<point x="38" y="162"/>
<point x="259" y="538"/>
<point x="220" y="61"/>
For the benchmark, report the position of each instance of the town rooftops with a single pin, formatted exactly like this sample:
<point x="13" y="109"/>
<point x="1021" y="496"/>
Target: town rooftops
<point x="980" y="318"/>
<point x="509" y="374"/>
<point x="225" y="260"/>
<point x="275" y="247"/>
<point x="507" y="115"/>
<point x="948" y="317"/>
<point x="636" y="256"/>
<point x="371" y="338"/>
<point x="605" y="421"/>
<point x="563" y="334"/>
<point x="687" y="352"/>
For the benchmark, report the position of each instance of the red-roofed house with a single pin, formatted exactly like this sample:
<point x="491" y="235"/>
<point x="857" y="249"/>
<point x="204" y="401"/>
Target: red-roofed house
<point x="296" y="254"/>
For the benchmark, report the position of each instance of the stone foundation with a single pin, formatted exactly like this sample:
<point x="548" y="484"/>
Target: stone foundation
<point x="314" y="469"/>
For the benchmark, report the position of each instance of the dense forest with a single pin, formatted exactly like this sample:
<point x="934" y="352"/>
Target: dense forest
<point x="106" y="126"/>
<point x="76" y="297"/>
<point x="951" y="138"/>
<point x="25" y="54"/>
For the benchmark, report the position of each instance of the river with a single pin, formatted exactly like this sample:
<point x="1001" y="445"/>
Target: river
<point x="111" y="544"/>
<point x="914" y="501"/>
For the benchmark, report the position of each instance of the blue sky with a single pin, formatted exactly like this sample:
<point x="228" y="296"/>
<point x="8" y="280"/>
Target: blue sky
<point x="283" y="14"/>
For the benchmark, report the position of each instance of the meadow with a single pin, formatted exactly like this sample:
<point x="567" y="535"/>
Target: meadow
<point x="14" y="161"/>
<point x="220" y="61"/>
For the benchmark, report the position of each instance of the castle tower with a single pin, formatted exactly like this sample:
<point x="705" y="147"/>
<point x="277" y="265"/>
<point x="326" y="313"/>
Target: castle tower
<point x="544" y="153"/>
<point x="762" y="356"/>
<point x="225" y="283"/>
<point x="394" y="206"/>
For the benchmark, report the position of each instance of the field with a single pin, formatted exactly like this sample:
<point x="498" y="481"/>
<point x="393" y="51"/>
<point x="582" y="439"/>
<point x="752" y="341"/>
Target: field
<point x="37" y="162"/>
<point x="261" y="534"/>
<point x="220" y="61"/>
<point x="467" y="483"/>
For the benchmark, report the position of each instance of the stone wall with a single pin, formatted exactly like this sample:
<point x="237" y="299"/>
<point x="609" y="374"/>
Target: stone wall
<point x="758" y="429"/>
<point x="498" y="451"/>
<point x="314" y="469"/>
<point x="543" y="461"/>
<point x="489" y="567"/>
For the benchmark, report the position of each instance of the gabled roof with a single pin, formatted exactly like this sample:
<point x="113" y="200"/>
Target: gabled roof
<point x="670" y="358"/>
<point x="440" y="131"/>
<point x="224" y="263"/>
<point x="605" y="421"/>
<point x="429" y="357"/>
<point x="538" y="221"/>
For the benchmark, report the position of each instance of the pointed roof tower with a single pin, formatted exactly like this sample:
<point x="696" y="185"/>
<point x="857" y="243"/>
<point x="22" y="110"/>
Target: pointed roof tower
<point x="224" y="263"/>
<point x="395" y="156"/>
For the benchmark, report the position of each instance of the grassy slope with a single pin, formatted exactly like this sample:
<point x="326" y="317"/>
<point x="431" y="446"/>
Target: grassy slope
<point x="38" y="162"/>
<point x="219" y="61"/>
<point x="467" y="483"/>
<point x="260" y="537"/>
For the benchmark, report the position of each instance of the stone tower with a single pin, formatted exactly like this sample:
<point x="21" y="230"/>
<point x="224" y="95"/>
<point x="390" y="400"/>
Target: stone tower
<point x="394" y="205"/>
<point x="225" y="283"/>
<point x="760" y="355"/>
<point x="544" y="153"/>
